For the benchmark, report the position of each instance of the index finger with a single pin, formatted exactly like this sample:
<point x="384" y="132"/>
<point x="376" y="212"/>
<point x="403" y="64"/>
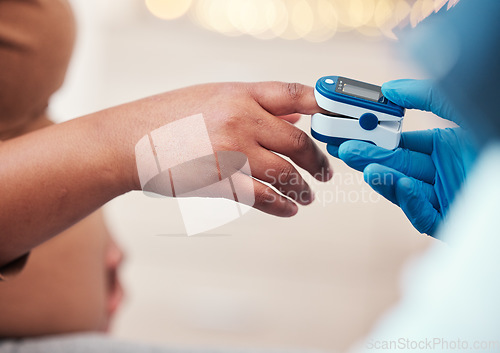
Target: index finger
<point x="422" y="95"/>
<point x="281" y="98"/>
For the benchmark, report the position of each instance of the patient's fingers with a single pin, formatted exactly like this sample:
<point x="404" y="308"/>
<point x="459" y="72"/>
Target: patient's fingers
<point x="280" y="98"/>
<point x="286" y="139"/>
<point x="269" y="201"/>
<point x="273" y="169"/>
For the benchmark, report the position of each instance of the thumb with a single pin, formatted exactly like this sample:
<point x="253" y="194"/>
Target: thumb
<point x="424" y="217"/>
<point x="420" y="94"/>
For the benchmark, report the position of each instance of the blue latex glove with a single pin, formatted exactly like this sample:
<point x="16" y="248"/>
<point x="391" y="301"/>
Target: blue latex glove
<point x="423" y="175"/>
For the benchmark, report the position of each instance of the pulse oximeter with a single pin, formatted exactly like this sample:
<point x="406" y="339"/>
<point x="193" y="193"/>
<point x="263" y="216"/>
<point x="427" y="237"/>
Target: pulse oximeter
<point x="359" y="112"/>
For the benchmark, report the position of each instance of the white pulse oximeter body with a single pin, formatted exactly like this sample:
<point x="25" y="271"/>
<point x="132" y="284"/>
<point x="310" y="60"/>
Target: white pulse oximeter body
<point x="361" y="113"/>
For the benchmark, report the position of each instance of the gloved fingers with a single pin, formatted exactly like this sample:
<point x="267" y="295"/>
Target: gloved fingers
<point x="384" y="180"/>
<point x="421" y="213"/>
<point x="419" y="141"/>
<point x="420" y="94"/>
<point x="333" y="150"/>
<point x="359" y="154"/>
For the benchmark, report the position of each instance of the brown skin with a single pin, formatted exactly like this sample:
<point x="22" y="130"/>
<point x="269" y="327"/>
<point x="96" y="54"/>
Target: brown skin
<point x="36" y="41"/>
<point x="71" y="278"/>
<point x="69" y="170"/>
<point x="55" y="177"/>
<point x="68" y="285"/>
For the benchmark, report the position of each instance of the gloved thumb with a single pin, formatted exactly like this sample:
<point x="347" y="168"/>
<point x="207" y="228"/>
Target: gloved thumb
<point x="424" y="217"/>
<point x="333" y="150"/>
<point x="420" y="94"/>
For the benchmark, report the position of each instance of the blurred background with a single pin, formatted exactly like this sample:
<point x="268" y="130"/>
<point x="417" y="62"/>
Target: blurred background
<point x="318" y="280"/>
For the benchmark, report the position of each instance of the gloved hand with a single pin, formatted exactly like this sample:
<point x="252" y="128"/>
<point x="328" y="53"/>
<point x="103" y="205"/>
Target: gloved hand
<point x="423" y="175"/>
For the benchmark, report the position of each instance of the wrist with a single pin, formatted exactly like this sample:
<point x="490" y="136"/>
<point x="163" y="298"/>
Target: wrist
<point x="116" y="147"/>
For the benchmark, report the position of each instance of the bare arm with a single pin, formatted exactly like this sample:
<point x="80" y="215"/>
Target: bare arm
<point x="54" y="177"/>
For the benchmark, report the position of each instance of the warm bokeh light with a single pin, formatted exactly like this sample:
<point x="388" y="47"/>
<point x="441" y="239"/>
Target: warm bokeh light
<point x="278" y="21"/>
<point x="325" y="23"/>
<point x="313" y="20"/>
<point x="168" y="9"/>
<point x="452" y="3"/>
<point x="327" y="14"/>
<point x="421" y="9"/>
<point x="217" y="19"/>
<point x="438" y="4"/>
<point x="399" y="13"/>
<point x="302" y="18"/>
<point x="383" y="13"/>
<point x="360" y="12"/>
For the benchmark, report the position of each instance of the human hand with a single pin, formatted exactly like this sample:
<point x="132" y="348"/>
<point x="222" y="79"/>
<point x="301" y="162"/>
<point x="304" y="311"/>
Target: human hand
<point x="83" y="163"/>
<point x="424" y="174"/>
<point x="252" y="119"/>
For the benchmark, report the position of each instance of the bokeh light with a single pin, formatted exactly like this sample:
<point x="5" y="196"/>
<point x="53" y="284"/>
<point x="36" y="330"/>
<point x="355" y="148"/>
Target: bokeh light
<point x="302" y="18"/>
<point x="278" y="21"/>
<point x="312" y="20"/>
<point x="217" y="18"/>
<point x="168" y="9"/>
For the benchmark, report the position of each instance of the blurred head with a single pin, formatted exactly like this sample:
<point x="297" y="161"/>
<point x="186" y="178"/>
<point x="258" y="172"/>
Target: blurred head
<point x="36" y="40"/>
<point x="69" y="284"/>
<point x="460" y="48"/>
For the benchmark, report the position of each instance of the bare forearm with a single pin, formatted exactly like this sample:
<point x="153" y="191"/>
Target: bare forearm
<point x="54" y="177"/>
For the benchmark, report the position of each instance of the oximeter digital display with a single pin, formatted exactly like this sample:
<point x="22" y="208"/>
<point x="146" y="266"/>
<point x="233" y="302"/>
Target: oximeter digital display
<point x="359" y="112"/>
<point x="359" y="89"/>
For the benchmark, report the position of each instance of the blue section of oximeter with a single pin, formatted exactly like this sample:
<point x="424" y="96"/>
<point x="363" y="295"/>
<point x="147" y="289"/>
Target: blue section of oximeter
<point x="327" y="87"/>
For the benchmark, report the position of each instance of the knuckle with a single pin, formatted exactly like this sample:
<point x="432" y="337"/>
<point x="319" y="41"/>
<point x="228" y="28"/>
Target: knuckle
<point x="230" y="123"/>
<point x="294" y="90"/>
<point x="285" y="172"/>
<point x="300" y="140"/>
<point x="228" y="119"/>
<point x="264" y="196"/>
